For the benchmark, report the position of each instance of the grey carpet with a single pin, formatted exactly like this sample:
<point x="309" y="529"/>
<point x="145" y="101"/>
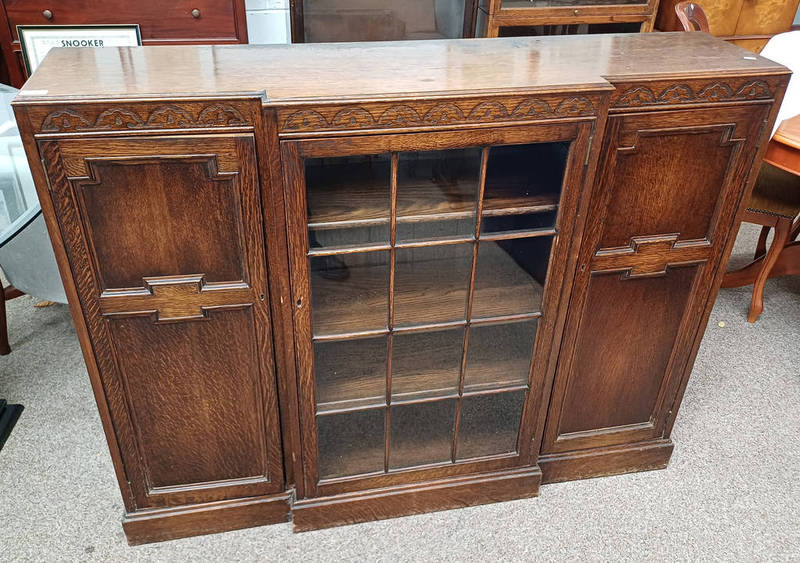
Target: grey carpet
<point x="731" y="491"/>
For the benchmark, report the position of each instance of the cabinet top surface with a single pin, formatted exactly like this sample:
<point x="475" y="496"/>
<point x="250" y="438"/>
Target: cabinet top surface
<point x="335" y="71"/>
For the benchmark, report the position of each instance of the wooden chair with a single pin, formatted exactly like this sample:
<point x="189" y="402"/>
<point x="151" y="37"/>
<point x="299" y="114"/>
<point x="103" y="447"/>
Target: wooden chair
<point x="691" y="16"/>
<point x="774" y="205"/>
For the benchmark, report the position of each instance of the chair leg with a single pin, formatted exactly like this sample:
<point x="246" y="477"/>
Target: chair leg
<point x="761" y="247"/>
<point x="5" y="349"/>
<point x="783" y="229"/>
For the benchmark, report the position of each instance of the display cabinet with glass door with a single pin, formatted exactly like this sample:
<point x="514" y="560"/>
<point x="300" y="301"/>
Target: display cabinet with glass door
<point x="420" y="291"/>
<point x="507" y="18"/>
<point x="320" y="21"/>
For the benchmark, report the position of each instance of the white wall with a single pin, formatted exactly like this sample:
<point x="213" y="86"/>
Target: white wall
<point x="268" y="21"/>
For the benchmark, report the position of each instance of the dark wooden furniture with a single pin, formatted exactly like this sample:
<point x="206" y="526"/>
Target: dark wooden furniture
<point x="6" y="293"/>
<point x="321" y="21"/>
<point x="9" y="414"/>
<point x="506" y="18"/>
<point x="345" y="282"/>
<point x="161" y="23"/>
<point x="747" y="23"/>
<point x="691" y="16"/>
<point x="774" y="204"/>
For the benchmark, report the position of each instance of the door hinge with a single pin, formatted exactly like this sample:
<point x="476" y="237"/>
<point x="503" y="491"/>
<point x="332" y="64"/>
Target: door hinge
<point x="763" y="126"/>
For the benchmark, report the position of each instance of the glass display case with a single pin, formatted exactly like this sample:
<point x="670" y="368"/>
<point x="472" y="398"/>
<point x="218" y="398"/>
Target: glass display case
<point x="505" y="18"/>
<point x="317" y="21"/>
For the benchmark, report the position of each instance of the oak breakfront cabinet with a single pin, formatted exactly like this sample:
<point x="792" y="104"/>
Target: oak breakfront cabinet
<point x="334" y="283"/>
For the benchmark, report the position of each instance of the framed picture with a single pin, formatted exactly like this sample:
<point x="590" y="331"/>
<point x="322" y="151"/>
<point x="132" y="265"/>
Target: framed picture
<point x="37" y="40"/>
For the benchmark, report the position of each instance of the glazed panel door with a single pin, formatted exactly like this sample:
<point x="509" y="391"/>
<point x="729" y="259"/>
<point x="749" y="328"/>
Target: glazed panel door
<point x="645" y="276"/>
<point x="164" y="236"/>
<point x="422" y="270"/>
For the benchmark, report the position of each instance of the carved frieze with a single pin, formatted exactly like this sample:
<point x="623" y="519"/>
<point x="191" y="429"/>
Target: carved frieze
<point x="446" y="113"/>
<point x="675" y="94"/>
<point x="127" y="118"/>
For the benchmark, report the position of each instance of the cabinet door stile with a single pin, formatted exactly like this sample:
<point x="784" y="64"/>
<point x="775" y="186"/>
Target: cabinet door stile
<point x="549" y="335"/>
<point x="294" y="194"/>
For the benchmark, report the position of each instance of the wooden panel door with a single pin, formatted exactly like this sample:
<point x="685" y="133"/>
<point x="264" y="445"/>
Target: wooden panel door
<point x="165" y="241"/>
<point x="425" y="274"/>
<point x="667" y="191"/>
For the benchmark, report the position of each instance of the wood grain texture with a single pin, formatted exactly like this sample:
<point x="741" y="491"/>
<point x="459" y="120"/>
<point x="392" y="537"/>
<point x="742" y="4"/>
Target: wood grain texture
<point x="333" y="74"/>
<point x="275" y="233"/>
<point x="623" y="363"/>
<point x="154" y="525"/>
<point x="601" y="462"/>
<point x="314" y="514"/>
<point x="193" y="391"/>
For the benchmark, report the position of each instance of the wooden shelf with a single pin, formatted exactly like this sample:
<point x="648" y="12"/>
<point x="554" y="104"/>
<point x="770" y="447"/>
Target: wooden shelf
<point x="334" y="207"/>
<point x="433" y="371"/>
<point x="341" y="306"/>
<point x="481" y="434"/>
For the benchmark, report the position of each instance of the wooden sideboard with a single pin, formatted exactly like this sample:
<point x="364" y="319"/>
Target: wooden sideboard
<point x="170" y="23"/>
<point x="343" y="282"/>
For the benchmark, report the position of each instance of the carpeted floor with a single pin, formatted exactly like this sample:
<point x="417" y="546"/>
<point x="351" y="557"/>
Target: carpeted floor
<point x="731" y="491"/>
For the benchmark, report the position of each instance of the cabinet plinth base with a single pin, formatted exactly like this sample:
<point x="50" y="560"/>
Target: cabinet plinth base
<point x="163" y="524"/>
<point x="600" y="462"/>
<point x="313" y="514"/>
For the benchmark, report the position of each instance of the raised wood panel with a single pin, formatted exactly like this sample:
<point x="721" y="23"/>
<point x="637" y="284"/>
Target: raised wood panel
<point x="165" y="236"/>
<point x="162" y="216"/>
<point x="642" y="202"/>
<point x="666" y="196"/>
<point x="194" y="393"/>
<point x="624" y="363"/>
